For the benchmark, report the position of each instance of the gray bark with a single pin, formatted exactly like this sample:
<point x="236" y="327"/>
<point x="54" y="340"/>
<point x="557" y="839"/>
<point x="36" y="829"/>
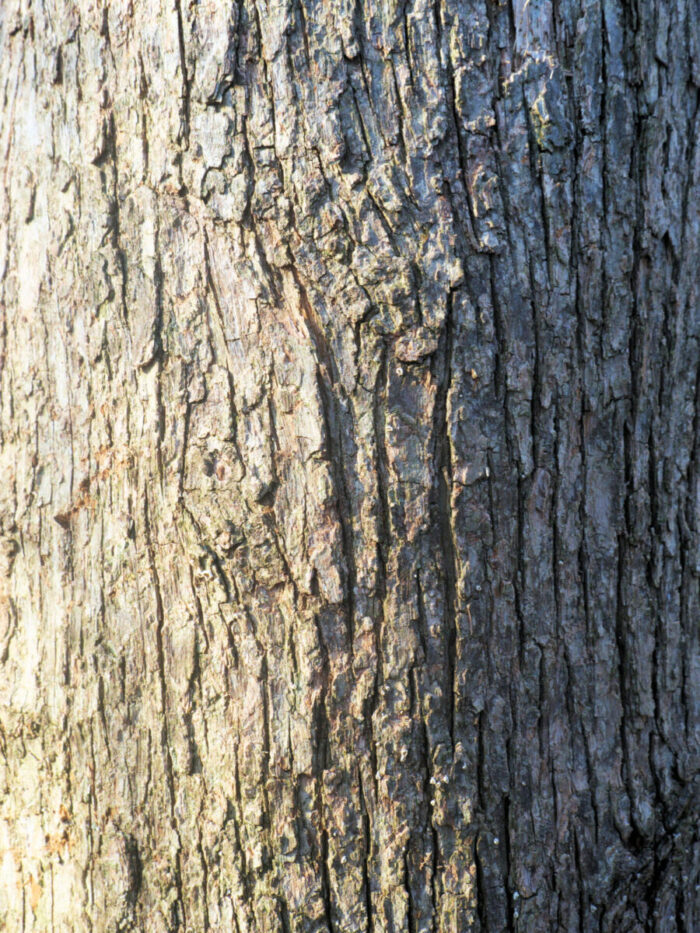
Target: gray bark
<point x="349" y="443"/>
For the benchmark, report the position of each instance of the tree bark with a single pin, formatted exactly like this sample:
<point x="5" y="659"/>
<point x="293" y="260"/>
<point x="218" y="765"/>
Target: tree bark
<point x="349" y="426"/>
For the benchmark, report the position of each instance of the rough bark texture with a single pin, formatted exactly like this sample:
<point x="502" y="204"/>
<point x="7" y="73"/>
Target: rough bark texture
<point x="349" y="516"/>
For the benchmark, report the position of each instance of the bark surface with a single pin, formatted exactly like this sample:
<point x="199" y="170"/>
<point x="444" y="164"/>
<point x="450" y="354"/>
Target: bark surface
<point x="349" y="445"/>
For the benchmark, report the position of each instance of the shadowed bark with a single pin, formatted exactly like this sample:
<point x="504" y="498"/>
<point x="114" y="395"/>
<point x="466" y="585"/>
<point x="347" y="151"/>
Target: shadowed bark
<point x="349" y="444"/>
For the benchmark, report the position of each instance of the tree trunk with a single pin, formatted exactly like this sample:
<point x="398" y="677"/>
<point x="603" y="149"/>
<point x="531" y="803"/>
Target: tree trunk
<point x="350" y="449"/>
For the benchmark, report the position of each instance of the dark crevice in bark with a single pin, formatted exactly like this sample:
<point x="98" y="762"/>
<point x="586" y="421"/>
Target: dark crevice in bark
<point x="265" y="751"/>
<point x="160" y="426"/>
<point x="184" y="133"/>
<point x="510" y="918"/>
<point x="400" y="116"/>
<point x="101" y="709"/>
<point x="390" y="229"/>
<point x="383" y="519"/>
<point x="542" y="716"/>
<point x="481" y="787"/>
<point x="430" y="781"/>
<point x="408" y="51"/>
<point x="692" y="143"/>
<point x="198" y="608"/>
<point x="410" y="918"/>
<point x="520" y="573"/>
<point x="512" y="33"/>
<point x="557" y="558"/>
<point x="321" y="761"/>
<point x="367" y="849"/>
<point x="165" y="738"/>
<point x="537" y="175"/>
<point x="463" y="175"/>
<point x="583" y="905"/>
<point x="232" y="395"/>
<point x="623" y="678"/>
<point x="143" y="95"/>
<point x="499" y="355"/>
<point x="205" y="883"/>
<point x="326" y="881"/>
<point x="303" y="29"/>
<point x="605" y="171"/>
<point x="422" y="621"/>
<point x="238" y="822"/>
<point x="284" y="915"/>
<point x="690" y="536"/>
<point x="481" y="892"/>
<point x="108" y="158"/>
<point x="442" y="472"/>
<point x="334" y="424"/>
<point x="536" y="396"/>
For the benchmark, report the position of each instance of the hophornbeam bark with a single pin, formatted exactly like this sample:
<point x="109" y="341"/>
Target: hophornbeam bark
<point x="350" y="562"/>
